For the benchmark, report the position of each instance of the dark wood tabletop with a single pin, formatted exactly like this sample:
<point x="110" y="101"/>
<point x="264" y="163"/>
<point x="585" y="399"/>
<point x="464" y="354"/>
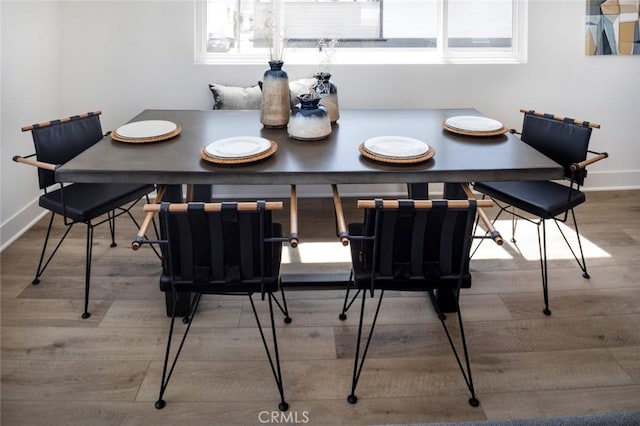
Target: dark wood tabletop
<point x="335" y="160"/>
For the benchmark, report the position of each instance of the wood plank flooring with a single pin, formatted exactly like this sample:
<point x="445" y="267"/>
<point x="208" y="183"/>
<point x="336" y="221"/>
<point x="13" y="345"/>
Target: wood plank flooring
<point x="58" y="369"/>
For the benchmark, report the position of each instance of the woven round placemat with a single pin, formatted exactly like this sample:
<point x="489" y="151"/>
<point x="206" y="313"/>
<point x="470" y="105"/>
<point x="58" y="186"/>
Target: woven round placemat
<point x="411" y="160"/>
<point x="498" y="132"/>
<point x="242" y="160"/>
<point x="176" y="132"/>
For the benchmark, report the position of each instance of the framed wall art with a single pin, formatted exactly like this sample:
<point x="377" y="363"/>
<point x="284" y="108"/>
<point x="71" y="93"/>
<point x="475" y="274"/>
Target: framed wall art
<point x="613" y="27"/>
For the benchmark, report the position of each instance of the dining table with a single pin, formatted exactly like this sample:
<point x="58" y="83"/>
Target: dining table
<point x="454" y="157"/>
<point x="333" y="160"/>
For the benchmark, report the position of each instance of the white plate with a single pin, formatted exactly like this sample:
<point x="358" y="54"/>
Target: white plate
<point x="238" y="147"/>
<point x="396" y="147"/>
<point x="472" y="123"/>
<point x="146" y="129"/>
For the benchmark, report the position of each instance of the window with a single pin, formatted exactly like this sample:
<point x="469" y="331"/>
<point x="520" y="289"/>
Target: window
<point x="362" y="31"/>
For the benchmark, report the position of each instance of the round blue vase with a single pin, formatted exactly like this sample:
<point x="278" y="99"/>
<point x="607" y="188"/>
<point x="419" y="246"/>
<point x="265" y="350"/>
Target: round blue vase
<point x="309" y="120"/>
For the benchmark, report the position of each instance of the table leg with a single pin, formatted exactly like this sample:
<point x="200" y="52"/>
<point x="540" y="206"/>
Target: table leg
<point x="418" y="191"/>
<point x="199" y="192"/>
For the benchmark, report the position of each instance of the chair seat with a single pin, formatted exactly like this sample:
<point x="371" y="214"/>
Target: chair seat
<point x="546" y="199"/>
<point x="84" y="202"/>
<point x="401" y="279"/>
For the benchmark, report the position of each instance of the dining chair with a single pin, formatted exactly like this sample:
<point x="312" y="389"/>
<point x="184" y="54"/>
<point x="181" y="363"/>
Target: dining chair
<point x="566" y="141"/>
<point x="227" y="248"/>
<point x="92" y="204"/>
<point x="415" y="246"/>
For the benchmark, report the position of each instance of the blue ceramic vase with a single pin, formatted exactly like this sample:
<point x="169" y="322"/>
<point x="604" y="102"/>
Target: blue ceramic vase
<point x="328" y="93"/>
<point x="275" y="104"/>
<point x="309" y="120"/>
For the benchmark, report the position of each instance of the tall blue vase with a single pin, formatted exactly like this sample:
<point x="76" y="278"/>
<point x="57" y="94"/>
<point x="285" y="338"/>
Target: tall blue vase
<point x="275" y="106"/>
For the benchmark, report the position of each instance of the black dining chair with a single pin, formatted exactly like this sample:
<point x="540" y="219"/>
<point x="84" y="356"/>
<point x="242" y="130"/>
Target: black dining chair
<point x="228" y="248"/>
<point x="92" y="204"/>
<point x="566" y="141"/>
<point x="415" y="246"/>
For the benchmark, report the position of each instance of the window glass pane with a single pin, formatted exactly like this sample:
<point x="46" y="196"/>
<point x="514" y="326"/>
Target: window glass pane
<point x="340" y="19"/>
<point x="410" y="18"/>
<point x="480" y="23"/>
<point x="222" y="30"/>
<point x="240" y="24"/>
<point x="410" y="23"/>
<point x="236" y="31"/>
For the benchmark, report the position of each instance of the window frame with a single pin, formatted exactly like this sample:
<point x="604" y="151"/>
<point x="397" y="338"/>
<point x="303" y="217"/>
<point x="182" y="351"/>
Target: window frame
<point x="442" y="54"/>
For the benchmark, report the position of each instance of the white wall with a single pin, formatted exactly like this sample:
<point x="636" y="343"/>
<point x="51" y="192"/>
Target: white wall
<point x="66" y="57"/>
<point x="31" y="79"/>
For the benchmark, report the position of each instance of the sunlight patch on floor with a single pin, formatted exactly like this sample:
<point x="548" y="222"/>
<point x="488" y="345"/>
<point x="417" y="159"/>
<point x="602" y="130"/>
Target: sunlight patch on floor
<point x="317" y="252"/>
<point x="526" y="244"/>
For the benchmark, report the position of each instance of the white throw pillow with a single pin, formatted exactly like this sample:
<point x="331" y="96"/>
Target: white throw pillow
<point x="235" y="97"/>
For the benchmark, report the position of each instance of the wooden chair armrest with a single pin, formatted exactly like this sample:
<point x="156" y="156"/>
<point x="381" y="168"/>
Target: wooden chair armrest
<point x="140" y="237"/>
<point x="293" y="226"/>
<point x="340" y="222"/>
<point x="36" y="163"/>
<point x="583" y="164"/>
<point x="493" y="233"/>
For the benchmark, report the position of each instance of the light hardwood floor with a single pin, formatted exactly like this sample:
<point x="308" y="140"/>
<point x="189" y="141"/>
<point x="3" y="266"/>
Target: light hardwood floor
<point x="58" y="369"/>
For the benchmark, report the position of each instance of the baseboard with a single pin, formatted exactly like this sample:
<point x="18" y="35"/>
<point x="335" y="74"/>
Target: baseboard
<point x="612" y="181"/>
<point x="20" y="223"/>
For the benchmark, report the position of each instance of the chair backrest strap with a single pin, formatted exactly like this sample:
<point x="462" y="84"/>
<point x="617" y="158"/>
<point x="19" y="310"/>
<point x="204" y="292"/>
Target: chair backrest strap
<point x="222" y="245"/>
<point x="564" y="140"/>
<point x="411" y="242"/>
<point x="561" y="118"/>
<point x="60" y="120"/>
<point x="218" y="207"/>
<point x="58" y="141"/>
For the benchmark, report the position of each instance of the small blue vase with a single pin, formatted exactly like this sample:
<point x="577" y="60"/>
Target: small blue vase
<point x="328" y="93"/>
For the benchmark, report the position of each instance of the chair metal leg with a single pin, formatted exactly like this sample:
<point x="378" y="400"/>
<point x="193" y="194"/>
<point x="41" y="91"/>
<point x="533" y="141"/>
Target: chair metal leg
<point x="581" y="262"/>
<point x="275" y="367"/>
<point x="87" y="271"/>
<point x="466" y="368"/>
<point x="542" y="247"/>
<point x="111" y="218"/>
<point x="166" y="375"/>
<point x="283" y="306"/>
<point x="357" y="367"/>
<point x="41" y="268"/>
<point x="347" y="303"/>
<point x="514" y="224"/>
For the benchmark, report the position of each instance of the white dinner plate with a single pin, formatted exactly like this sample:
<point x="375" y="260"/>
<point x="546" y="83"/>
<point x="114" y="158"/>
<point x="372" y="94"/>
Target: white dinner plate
<point x="396" y="147"/>
<point x="146" y="129"/>
<point x="472" y="123"/>
<point x="238" y="147"/>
